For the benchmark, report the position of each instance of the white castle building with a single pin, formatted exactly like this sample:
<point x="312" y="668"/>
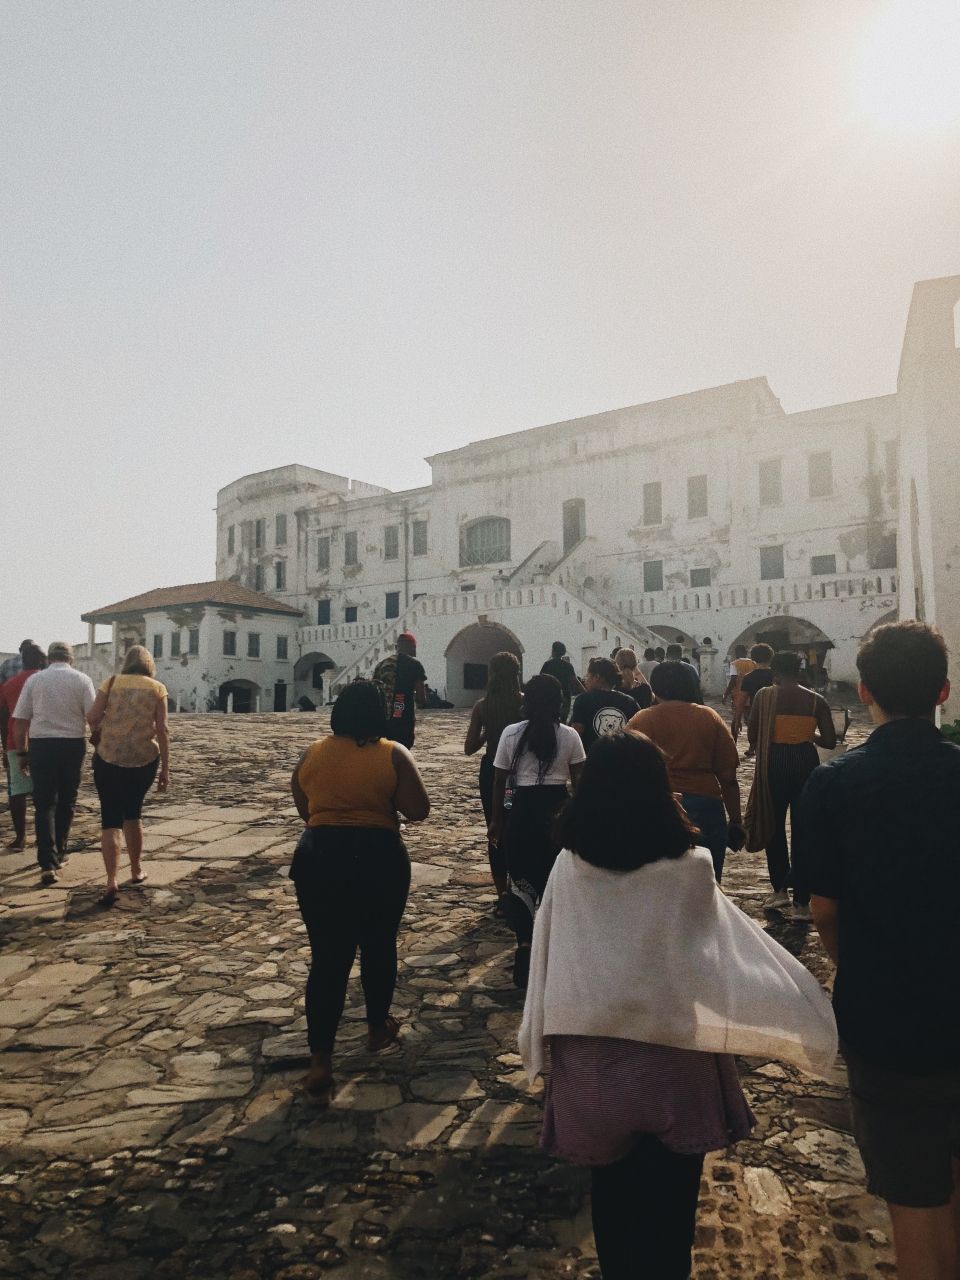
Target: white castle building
<point x="712" y="519"/>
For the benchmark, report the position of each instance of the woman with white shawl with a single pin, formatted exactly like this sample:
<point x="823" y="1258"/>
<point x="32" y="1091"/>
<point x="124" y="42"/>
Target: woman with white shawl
<point x="644" y="981"/>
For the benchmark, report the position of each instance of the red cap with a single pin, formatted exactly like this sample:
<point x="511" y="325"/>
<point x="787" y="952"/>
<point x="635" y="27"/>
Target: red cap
<point x="408" y="636"/>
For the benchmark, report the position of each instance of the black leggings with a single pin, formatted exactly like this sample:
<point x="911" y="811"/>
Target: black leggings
<point x="498" y="859"/>
<point x="789" y="767"/>
<point x="531" y="851"/>
<point x="352" y="885"/>
<point x="644" y="1212"/>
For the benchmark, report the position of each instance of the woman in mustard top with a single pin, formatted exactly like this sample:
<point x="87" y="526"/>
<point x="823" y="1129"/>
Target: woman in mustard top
<point x="787" y="724"/>
<point x="351" y="870"/>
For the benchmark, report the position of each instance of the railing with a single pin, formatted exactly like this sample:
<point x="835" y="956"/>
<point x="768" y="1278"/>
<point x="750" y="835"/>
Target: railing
<point x="787" y="591"/>
<point x="463" y="604"/>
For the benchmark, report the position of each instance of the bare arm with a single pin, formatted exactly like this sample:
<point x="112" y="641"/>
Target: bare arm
<point x="826" y="735"/>
<point x="826" y="916"/>
<point x="420" y="693"/>
<point x="753" y="724"/>
<point x="19" y="729"/>
<point x="410" y="797"/>
<point x="476" y="735"/>
<point x="725" y="761"/>
<point x="299" y="795"/>
<point x="495" y="829"/>
<point x="95" y="714"/>
<point x="162" y="727"/>
<point x="731" y="685"/>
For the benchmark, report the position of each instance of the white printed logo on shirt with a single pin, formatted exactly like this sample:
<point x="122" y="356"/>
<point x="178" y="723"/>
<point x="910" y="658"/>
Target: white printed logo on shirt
<point x="608" y="720"/>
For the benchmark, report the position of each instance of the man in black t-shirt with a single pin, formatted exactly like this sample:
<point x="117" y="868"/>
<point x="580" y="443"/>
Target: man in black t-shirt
<point x="602" y="710"/>
<point x="403" y="681"/>
<point x="560" y="667"/>
<point x="878" y="841"/>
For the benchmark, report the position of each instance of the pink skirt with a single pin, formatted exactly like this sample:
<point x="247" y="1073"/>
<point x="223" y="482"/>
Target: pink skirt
<point x="603" y="1093"/>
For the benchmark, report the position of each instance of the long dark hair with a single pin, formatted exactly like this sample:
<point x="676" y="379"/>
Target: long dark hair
<point x="503" y="701"/>
<point x="542" y="704"/>
<point x="624" y="813"/>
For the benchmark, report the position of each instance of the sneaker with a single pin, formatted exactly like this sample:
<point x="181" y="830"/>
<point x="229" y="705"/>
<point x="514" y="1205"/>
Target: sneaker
<point x="48" y="877"/>
<point x="800" y="911"/>
<point x="776" y="900"/>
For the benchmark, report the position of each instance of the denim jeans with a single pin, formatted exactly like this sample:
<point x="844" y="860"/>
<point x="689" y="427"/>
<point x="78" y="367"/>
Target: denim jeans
<point x="708" y="813"/>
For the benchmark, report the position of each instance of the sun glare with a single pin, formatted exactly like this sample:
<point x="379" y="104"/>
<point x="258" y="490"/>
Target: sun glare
<point x="907" y="75"/>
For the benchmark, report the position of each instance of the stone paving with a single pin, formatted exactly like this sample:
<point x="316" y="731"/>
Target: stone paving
<point x="150" y="1119"/>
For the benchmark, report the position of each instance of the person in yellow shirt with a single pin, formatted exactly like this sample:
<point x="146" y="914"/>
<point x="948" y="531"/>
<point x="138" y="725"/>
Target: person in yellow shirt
<point x="351" y="870"/>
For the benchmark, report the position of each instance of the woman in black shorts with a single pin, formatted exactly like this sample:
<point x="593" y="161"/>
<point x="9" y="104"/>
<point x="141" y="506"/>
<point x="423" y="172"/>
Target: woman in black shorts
<point x="132" y="748"/>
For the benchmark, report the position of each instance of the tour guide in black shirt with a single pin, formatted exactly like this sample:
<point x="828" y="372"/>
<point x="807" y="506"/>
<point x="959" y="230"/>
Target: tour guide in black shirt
<point x="602" y="710"/>
<point x="408" y="691"/>
<point x="881" y="854"/>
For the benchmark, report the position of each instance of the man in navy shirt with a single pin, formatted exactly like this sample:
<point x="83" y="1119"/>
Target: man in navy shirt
<point x="881" y="851"/>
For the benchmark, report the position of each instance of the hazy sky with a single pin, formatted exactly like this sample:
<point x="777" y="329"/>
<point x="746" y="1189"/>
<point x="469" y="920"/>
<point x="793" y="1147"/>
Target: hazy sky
<point x="246" y="233"/>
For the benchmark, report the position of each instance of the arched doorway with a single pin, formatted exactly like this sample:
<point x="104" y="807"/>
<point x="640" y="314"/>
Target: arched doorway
<point x="787" y="632"/>
<point x="245" y="695"/>
<point x="467" y="656"/>
<point x="310" y="677"/>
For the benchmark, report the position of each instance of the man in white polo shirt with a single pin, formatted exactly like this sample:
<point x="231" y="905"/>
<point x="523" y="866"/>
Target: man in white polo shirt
<point x="52" y="710"/>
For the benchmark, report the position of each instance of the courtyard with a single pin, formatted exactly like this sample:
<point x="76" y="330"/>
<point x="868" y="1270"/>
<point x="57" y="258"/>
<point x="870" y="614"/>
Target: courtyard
<point x="150" y="1055"/>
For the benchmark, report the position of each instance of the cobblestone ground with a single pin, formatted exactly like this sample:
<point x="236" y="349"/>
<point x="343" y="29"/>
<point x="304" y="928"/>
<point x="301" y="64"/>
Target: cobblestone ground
<point x="149" y="1059"/>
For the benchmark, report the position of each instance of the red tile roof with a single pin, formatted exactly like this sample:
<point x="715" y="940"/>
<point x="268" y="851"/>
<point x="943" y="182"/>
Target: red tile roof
<point x="227" y="594"/>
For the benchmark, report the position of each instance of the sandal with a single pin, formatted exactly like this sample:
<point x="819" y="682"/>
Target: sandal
<point x="384" y="1036"/>
<point x="138" y="879"/>
<point x="108" y="898"/>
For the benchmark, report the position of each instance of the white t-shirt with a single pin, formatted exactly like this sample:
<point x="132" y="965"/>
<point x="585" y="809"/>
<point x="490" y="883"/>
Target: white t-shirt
<point x="647" y="666"/>
<point x="569" y="751"/>
<point x="56" y="702"/>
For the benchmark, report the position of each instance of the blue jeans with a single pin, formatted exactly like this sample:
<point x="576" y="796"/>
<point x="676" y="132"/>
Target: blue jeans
<point x="708" y="813"/>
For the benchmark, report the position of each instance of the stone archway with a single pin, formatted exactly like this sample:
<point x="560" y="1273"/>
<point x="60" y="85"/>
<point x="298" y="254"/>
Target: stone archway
<point x="784" y="631"/>
<point x="468" y="654"/>
<point x="245" y="694"/>
<point x="311" y="679"/>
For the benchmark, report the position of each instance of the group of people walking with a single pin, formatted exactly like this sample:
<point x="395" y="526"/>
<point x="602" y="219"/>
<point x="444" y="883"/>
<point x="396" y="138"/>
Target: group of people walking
<point x="607" y="838"/>
<point x="46" y="708"/>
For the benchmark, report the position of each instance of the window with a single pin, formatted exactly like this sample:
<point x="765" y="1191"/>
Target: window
<point x="230" y="644"/>
<point x="323" y="552"/>
<point x="771" y="562"/>
<point x="193" y="641"/>
<point x="258" y="577"/>
<point x="820" y="473"/>
<point x="822" y="564"/>
<point x="653" y="502"/>
<point x="323" y="613"/>
<point x="419" y="537"/>
<point x="391" y="542"/>
<point x="280" y="575"/>
<point x="392" y="609"/>
<point x="891" y="450"/>
<point x="653" y="575"/>
<point x="281" y="648"/>
<point x="281" y="530"/>
<point x="253" y="644"/>
<point x="699" y="577"/>
<point x="468" y="586"/>
<point x="771" y="484"/>
<point x="574" y="523"/>
<point x="885" y="553"/>
<point x="696" y="497"/>
<point x="174" y="644"/>
<point x="158" y="646"/>
<point x="231" y="540"/>
<point x="259" y="534"/>
<point x="350" y="548"/>
<point x="485" y="541"/>
<point x="350" y="613"/>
